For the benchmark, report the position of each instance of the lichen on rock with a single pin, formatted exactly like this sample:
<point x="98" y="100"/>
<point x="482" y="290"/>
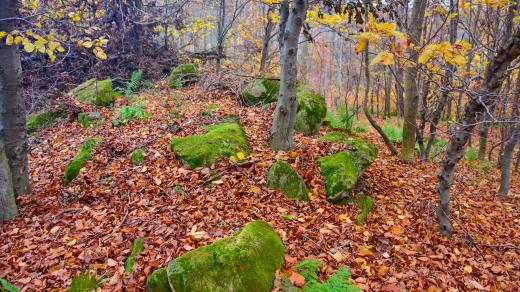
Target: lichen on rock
<point x="261" y="90"/>
<point x="311" y="111"/>
<point x="183" y="75"/>
<point x="220" y="140"/>
<point x="282" y="176"/>
<point x="98" y="92"/>
<point x="245" y="261"/>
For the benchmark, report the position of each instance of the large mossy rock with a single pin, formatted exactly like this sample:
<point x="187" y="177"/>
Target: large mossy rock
<point x="220" y="140"/>
<point x="98" y="92"/>
<point x="311" y="111"/>
<point x="282" y="176"/>
<point x="246" y="261"/>
<point x="360" y="145"/>
<point x="183" y="75"/>
<point x="46" y="118"/>
<point x="341" y="171"/>
<point x="261" y="90"/>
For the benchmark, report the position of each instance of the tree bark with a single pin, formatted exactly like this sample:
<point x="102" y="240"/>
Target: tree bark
<point x="282" y="129"/>
<point x="478" y="101"/>
<point x="268" y="31"/>
<point x="8" y="207"/>
<point x="388" y="92"/>
<point x="411" y="93"/>
<point x="507" y="161"/>
<point x="13" y="105"/>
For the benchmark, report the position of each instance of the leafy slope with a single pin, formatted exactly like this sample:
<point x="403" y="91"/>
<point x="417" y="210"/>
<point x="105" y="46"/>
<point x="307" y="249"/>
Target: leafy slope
<point x="92" y="223"/>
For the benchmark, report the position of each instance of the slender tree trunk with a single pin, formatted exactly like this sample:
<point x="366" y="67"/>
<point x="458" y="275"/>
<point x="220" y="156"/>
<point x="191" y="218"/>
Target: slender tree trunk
<point x="268" y="31"/>
<point x="13" y="105"/>
<point x="507" y="161"/>
<point x="373" y="122"/>
<point x="221" y="35"/>
<point x="411" y="92"/>
<point x="446" y="86"/>
<point x="399" y="102"/>
<point x="285" y="114"/>
<point x="495" y="73"/>
<point x="388" y="92"/>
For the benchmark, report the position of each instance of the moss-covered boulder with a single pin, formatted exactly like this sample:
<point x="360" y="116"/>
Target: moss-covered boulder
<point x="158" y="281"/>
<point x="341" y="171"/>
<point x="220" y="140"/>
<point x="282" y="176"/>
<point x="183" y="75"/>
<point x="46" y="118"/>
<point x="261" y="90"/>
<point x="311" y="111"/>
<point x="98" y="92"/>
<point x="245" y="261"/>
<point x="354" y="143"/>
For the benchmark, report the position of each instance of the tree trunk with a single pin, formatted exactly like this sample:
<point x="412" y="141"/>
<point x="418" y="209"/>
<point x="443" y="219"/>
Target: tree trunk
<point x="411" y="93"/>
<point x="476" y="105"/>
<point x="8" y="207"/>
<point x="507" y="161"/>
<point x="13" y="105"/>
<point x="446" y="86"/>
<point x="285" y="114"/>
<point x="388" y="92"/>
<point x="221" y="35"/>
<point x="267" y="39"/>
<point x="373" y="122"/>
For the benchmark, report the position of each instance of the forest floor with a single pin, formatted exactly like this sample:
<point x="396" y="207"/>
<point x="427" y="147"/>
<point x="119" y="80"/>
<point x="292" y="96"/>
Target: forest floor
<point x="91" y="224"/>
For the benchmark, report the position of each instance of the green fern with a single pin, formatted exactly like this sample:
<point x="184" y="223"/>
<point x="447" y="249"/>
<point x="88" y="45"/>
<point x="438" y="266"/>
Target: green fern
<point x="337" y="282"/>
<point x="86" y="282"/>
<point x="133" y="84"/>
<point x="343" y="119"/>
<point x="127" y="113"/>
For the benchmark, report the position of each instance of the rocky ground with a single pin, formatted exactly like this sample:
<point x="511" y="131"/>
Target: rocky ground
<point x="91" y="223"/>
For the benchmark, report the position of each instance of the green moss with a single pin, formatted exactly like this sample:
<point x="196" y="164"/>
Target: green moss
<point x="183" y="75"/>
<point x="366" y="203"/>
<point x="137" y="247"/>
<point x="261" y="90"/>
<point x="282" y="177"/>
<point x="44" y="119"/>
<point x="137" y="156"/>
<point x="311" y="111"/>
<point x="246" y="261"/>
<point x="230" y="118"/>
<point x="158" y="281"/>
<point x="97" y="92"/>
<point x="366" y="149"/>
<point x="221" y="140"/>
<point x="73" y="168"/>
<point x="341" y="172"/>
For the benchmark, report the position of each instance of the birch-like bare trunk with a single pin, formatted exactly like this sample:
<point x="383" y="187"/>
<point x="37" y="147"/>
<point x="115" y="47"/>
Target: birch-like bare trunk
<point x="13" y="105"/>
<point x="282" y="129"/>
<point x="411" y="96"/>
<point x="478" y="102"/>
<point x="268" y="31"/>
<point x="507" y="161"/>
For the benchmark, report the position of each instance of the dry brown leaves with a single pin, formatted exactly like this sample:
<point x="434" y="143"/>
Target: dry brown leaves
<point x="92" y="223"/>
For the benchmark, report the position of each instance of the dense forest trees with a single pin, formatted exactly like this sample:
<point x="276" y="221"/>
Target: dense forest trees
<point x="437" y="82"/>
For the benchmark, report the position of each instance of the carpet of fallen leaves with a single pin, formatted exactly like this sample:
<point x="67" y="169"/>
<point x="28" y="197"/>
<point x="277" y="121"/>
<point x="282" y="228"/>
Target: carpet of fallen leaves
<point x="91" y="224"/>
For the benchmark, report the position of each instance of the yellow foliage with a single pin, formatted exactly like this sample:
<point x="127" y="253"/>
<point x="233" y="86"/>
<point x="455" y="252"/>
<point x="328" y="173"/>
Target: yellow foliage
<point x="385" y="56"/>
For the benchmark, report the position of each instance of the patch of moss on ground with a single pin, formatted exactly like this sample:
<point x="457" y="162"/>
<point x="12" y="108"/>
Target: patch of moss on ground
<point x="311" y="111"/>
<point x="98" y="92"/>
<point x="261" y="90"/>
<point x="220" y="140"/>
<point x="246" y="261"/>
<point x="137" y="156"/>
<point x="73" y="168"/>
<point x="341" y="172"/>
<point x="137" y="247"/>
<point x="46" y="118"/>
<point x="282" y="176"/>
<point x="183" y="75"/>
